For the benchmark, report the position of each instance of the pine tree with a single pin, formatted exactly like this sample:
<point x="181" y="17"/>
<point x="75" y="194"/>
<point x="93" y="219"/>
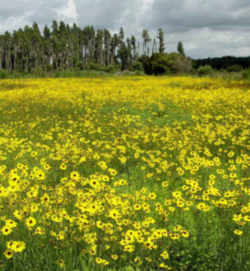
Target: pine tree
<point x="146" y="39"/>
<point x="121" y="34"/>
<point x="134" y="48"/>
<point x="123" y="55"/>
<point x="180" y="48"/>
<point x="107" y="47"/>
<point x="99" y="47"/>
<point x="62" y="46"/>
<point x="161" y="41"/>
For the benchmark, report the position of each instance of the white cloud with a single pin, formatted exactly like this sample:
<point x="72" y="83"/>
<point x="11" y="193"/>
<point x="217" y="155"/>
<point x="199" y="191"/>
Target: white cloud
<point x="13" y="23"/>
<point x="205" y="42"/>
<point x="68" y="12"/>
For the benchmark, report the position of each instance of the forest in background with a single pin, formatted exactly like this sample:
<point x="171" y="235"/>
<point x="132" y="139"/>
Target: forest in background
<point x="70" y="47"/>
<point x="63" y="47"/>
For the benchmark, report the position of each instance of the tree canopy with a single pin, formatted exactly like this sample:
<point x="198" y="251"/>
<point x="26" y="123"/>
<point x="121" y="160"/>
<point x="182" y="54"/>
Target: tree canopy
<point x="62" y="47"/>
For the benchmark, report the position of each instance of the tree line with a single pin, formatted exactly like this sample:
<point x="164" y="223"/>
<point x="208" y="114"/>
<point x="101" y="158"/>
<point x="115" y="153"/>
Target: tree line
<point x="62" y="47"/>
<point x="65" y="47"/>
<point x="224" y="63"/>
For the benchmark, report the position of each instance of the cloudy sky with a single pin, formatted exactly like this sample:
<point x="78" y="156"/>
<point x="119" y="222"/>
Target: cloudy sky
<point x="207" y="28"/>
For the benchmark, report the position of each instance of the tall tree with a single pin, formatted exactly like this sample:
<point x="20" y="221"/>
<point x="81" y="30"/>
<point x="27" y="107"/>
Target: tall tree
<point x="7" y="43"/>
<point x="62" y="46"/>
<point x="47" y="47"/>
<point x="180" y="48"/>
<point x="154" y="46"/>
<point x="123" y="55"/>
<point x="99" y="47"/>
<point x="107" y="47"/>
<point x="146" y="39"/>
<point x="134" y="48"/>
<point x="114" y="47"/>
<point x="121" y="34"/>
<point x="161" y="41"/>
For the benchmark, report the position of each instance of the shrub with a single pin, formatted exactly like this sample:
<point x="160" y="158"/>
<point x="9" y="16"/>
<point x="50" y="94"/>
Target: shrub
<point x="246" y="74"/>
<point x="205" y="70"/>
<point x="179" y="63"/>
<point x="235" y="68"/>
<point x="159" y="64"/>
<point x="137" y="66"/>
<point x="3" y="74"/>
<point x="38" y="71"/>
<point x="96" y="67"/>
<point x="49" y="68"/>
<point x="102" y="68"/>
<point x="139" y="73"/>
<point x="111" y="68"/>
<point x="79" y="66"/>
<point x="166" y="64"/>
<point x="146" y="63"/>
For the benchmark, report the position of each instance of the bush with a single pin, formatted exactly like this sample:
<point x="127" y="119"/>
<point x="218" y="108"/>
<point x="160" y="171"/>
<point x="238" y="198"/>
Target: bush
<point x="139" y="73"/>
<point x="179" y="63"/>
<point x="205" y="70"/>
<point x="159" y="64"/>
<point x="246" y="74"/>
<point x="49" y="68"/>
<point x="38" y="71"/>
<point x="95" y="66"/>
<point x="102" y="68"/>
<point x="137" y="66"/>
<point x="235" y="68"/>
<point x="3" y="74"/>
<point x="111" y="68"/>
<point x="166" y="64"/>
<point x="79" y="66"/>
<point x="146" y="63"/>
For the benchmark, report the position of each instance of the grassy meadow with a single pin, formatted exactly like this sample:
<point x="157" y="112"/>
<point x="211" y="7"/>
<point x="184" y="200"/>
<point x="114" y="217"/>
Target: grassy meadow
<point x="124" y="173"/>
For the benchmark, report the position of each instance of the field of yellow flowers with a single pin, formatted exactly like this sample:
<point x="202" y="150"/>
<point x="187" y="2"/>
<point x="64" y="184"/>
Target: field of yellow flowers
<point x="124" y="173"/>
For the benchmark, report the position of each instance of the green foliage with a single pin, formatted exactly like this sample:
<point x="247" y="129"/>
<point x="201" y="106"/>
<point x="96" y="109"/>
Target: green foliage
<point x="161" y="41"/>
<point x="96" y="67"/>
<point x="235" y="68"/>
<point x="171" y="63"/>
<point x="138" y="73"/>
<point x="38" y="71"/>
<point x="180" y="48"/>
<point x="71" y="74"/>
<point x="112" y="68"/>
<point x="137" y="66"/>
<point x="65" y="47"/>
<point x="205" y="70"/>
<point x="101" y="68"/>
<point x="222" y="63"/>
<point x="3" y="74"/>
<point x="146" y="63"/>
<point x="246" y="74"/>
<point x="159" y="64"/>
<point x="123" y="54"/>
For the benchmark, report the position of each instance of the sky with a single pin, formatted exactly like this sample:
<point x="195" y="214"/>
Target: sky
<point x="207" y="28"/>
